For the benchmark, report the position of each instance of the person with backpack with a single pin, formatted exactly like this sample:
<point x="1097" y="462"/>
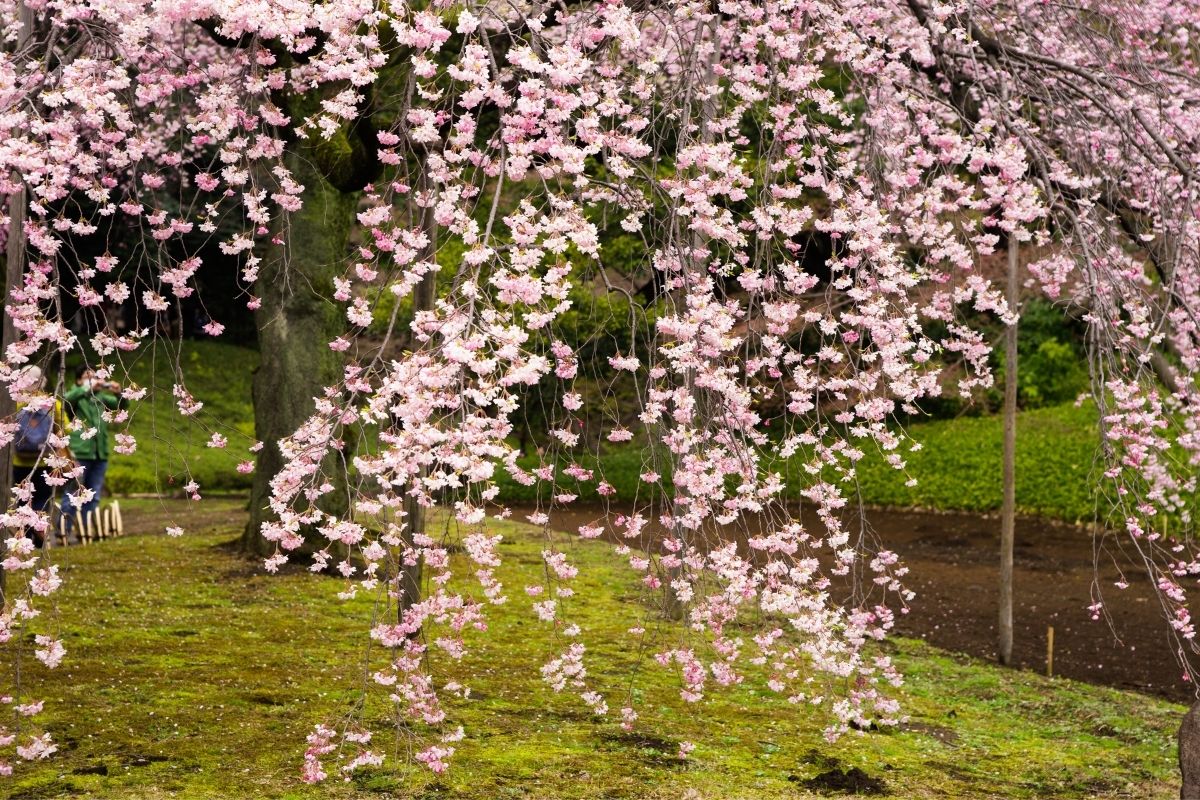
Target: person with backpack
<point x="89" y="401"/>
<point x="31" y="445"/>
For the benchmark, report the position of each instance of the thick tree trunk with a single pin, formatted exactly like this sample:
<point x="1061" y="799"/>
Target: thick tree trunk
<point x="296" y="322"/>
<point x="1189" y="754"/>
<point x="14" y="266"/>
<point x="14" y="263"/>
<point x="410" y="574"/>
<point x="1008" y="510"/>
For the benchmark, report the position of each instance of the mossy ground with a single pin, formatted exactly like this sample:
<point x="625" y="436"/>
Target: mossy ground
<point x="192" y="674"/>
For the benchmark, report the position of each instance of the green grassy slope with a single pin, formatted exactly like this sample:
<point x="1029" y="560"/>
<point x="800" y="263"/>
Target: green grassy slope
<point x="958" y="467"/>
<point x="171" y="448"/>
<point x="192" y="674"/>
<point x="960" y="461"/>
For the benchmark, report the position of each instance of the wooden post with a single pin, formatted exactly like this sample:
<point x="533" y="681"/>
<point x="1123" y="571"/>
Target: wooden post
<point x="118" y="525"/>
<point x="1050" y="651"/>
<point x="1008" y="512"/>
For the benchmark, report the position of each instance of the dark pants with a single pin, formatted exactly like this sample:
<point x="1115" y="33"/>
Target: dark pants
<point x="42" y="493"/>
<point x="93" y="478"/>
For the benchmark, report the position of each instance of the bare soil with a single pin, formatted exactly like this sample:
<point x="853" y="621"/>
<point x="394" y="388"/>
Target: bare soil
<point x="148" y="516"/>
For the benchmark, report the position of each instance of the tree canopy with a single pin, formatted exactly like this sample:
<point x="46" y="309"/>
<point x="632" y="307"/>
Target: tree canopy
<point x="792" y="207"/>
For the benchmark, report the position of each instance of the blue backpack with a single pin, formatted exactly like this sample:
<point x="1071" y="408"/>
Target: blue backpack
<point x="33" y="429"/>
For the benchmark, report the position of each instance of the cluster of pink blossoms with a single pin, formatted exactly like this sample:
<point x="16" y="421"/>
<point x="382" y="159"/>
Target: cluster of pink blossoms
<point x="730" y="138"/>
<point x="146" y="103"/>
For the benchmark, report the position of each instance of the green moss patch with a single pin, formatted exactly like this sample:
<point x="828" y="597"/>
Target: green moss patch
<point x="192" y="674"/>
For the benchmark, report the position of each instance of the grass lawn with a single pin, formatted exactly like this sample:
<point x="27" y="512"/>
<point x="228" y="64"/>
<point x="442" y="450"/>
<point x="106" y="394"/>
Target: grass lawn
<point x="958" y="467"/>
<point x="192" y="674"/>
<point x="172" y="449"/>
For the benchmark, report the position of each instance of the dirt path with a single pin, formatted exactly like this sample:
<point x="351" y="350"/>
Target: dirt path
<point x="953" y="561"/>
<point x="155" y="516"/>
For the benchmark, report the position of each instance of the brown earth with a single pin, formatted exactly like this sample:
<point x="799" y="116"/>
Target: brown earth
<point x="148" y="516"/>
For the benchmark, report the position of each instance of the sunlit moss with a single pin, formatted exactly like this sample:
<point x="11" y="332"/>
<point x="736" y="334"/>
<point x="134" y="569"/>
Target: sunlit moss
<point x="192" y="674"/>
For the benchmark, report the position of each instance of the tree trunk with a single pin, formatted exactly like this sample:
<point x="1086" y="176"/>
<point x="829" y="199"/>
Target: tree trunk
<point x="296" y="322"/>
<point x="1009" y="509"/>
<point x="414" y="520"/>
<point x="14" y="267"/>
<point x="1189" y="754"/>
<point x="423" y="300"/>
<point x="673" y="604"/>
<point x="14" y="270"/>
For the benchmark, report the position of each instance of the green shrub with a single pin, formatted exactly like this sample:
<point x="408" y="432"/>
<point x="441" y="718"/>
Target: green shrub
<point x="959" y="465"/>
<point x="1053" y="373"/>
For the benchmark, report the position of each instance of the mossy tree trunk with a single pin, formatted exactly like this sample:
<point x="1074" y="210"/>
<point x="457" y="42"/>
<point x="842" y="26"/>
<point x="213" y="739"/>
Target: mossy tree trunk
<point x="424" y="299"/>
<point x="14" y="264"/>
<point x="296" y="322"/>
<point x="14" y="269"/>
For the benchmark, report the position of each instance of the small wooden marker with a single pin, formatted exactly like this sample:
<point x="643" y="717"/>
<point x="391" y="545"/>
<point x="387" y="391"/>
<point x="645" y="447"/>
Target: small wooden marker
<point x="118" y="527"/>
<point x="1050" y="651"/>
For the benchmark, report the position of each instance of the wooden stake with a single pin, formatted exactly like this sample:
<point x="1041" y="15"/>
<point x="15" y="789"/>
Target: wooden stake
<point x="1008" y="508"/>
<point x="117" y="524"/>
<point x="1050" y="651"/>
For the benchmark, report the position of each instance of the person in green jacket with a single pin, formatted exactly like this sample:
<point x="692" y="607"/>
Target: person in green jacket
<point x="88" y="401"/>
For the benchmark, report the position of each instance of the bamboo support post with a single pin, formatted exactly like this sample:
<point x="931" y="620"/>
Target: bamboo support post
<point x="1050" y="651"/>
